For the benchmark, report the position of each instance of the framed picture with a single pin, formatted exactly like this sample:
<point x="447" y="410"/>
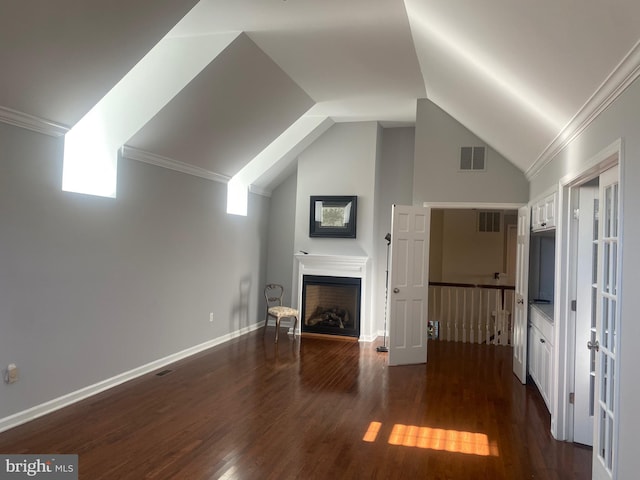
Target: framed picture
<point x="333" y="216"/>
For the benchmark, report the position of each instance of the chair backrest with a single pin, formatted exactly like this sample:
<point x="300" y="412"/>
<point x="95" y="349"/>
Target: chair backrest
<point x="273" y="293"/>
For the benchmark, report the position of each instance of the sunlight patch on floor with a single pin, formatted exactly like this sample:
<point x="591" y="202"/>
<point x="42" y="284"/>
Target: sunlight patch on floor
<point x="469" y="443"/>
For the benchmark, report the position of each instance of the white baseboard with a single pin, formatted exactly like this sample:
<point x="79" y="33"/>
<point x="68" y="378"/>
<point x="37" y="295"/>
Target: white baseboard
<point x="367" y="338"/>
<point x="32" y="413"/>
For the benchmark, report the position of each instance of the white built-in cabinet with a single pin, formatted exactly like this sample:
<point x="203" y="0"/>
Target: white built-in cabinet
<point x="541" y="353"/>
<point x="543" y="213"/>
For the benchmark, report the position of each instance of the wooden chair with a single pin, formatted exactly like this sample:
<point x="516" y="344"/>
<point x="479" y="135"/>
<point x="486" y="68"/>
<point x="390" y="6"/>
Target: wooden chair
<point x="273" y="295"/>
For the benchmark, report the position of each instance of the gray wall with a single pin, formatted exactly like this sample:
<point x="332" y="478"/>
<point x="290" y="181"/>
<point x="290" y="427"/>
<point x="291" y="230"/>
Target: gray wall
<point x="93" y="287"/>
<point x="436" y="175"/>
<point x="619" y="120"/>
<point x="393" y="186"/>
<point x="469" y="256"/>
<point x="389" y="164"/>
<point x="341" y="162"/>
<point x="282" y="216"/>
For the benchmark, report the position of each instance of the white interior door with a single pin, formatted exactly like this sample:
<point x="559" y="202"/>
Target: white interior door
<point x="408" y="288"/>
<point x="520" y="314"/>
<point x="586" y="294"/>
<point x="607" y="323"/>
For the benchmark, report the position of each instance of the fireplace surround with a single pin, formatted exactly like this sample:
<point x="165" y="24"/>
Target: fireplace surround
<point x="354" y="268"/>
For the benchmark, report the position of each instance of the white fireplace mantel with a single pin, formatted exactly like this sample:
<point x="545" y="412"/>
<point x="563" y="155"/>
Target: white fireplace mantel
<point x="337" y="266"/>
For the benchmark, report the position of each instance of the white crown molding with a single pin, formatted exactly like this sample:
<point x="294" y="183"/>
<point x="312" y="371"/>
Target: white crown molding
<point x="171" y="164"/>
<point x="46" y="127"/>
<point x="165" y="162"/>
<point x="613" y="86"/>
<point x="31" y="122"/>
<point x="260" y="191"/>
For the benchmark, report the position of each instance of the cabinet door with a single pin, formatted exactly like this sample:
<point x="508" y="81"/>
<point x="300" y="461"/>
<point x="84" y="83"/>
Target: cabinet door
<point x="544" y="351"/>
<point x="535" y="217"/>
<point x="534" y="337"/>
<point x="543" y="213"/>
<point x="550" y="211"/>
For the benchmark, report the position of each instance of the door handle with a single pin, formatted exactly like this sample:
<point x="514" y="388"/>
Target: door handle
<point x="593" y="345"/>
<point x="396" y="290"/>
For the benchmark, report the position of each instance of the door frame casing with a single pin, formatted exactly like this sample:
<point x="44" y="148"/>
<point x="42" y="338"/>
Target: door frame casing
<point x="564" y="349"/>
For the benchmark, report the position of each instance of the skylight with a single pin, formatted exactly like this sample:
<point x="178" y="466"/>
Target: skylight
<point x="283" y="149"/>
<point x="91" y="146"/>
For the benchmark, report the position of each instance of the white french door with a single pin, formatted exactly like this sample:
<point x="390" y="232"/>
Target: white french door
<point x="408" y="288"/>
<point x="520" y="316"/>
<point x="607" y="323"/>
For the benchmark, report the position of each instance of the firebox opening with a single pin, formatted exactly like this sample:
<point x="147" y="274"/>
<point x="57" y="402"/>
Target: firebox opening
<point x="331" y="305"/>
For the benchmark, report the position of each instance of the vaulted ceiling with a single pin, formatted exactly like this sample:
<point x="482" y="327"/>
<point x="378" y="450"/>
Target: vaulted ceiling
<point x="515" y="73"/>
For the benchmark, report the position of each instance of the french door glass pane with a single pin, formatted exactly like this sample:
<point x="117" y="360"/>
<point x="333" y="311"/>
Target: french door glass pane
<point x="614" y="214"/>
<point x="613" y="326"/>
<point x="607" y="212"/>
<point x="605" y="322"/>
<point x="606" y="266"/>
<point x="596" y="216"/>
<point x="603" y="432"/>
<point x="594" y="311"/>
<point x="611" y="383"/>
<point x="604" y="382"/>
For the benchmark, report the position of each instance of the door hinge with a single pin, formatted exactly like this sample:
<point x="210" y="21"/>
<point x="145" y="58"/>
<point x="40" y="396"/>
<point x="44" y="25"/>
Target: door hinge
<point x="572" y="398"/>
<point x="576" y="214"/>
<point x="574" y="305"/>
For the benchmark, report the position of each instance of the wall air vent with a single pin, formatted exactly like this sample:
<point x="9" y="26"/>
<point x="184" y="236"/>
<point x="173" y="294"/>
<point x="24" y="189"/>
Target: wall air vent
<point x="472" y="158"/>
<point x="489" y="222"/>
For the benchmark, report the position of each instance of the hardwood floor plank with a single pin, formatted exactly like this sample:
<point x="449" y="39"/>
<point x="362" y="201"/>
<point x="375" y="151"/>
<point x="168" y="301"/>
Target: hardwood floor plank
<point x="300" y="409"/>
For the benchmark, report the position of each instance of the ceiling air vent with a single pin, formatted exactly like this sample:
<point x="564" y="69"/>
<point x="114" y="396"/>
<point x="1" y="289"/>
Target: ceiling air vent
<point x="472" y="158"/>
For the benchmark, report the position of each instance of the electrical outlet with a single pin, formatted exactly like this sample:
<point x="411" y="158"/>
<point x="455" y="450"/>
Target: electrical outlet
<point x="211" y="317"/>
<point x="12" y="373"/>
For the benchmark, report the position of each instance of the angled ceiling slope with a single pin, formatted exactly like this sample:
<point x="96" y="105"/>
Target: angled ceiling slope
<point x="521" y="74"/>
<point x="228" y="113"/>
<point x="523" y="77"/>
<point x="60" y="58"/>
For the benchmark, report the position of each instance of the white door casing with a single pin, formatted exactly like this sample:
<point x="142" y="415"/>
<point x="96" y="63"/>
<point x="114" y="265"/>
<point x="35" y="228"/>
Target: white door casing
<point x="521" y="296"/>
<point x="607" y="325"/>
<point x="408" y="287"/>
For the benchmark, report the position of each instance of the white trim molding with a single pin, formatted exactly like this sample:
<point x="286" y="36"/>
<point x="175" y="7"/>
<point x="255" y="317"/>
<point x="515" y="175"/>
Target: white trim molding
<point x="613" y="86"/>
<point x="171" y="164"/>
<point x="337" y="266"/>
<point x="259" y="190"/>
<point x="474" y="205"/>
<point x="31" y="122"/>
<point x="86" y="392"/>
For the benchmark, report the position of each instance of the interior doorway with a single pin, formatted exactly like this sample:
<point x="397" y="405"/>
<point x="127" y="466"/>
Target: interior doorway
<point x="472" y="267"/>
<point x="590" y="263"/>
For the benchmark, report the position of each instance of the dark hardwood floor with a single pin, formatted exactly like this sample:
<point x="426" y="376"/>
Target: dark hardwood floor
<point x="249" y="409"/>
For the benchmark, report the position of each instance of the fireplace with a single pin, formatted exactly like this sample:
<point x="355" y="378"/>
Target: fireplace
<point x="331" y="305"/>
<point x="354" y="268"/>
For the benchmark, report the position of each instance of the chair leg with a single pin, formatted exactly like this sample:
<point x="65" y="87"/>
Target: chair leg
<point x="295" y="325"/>
<point x="266" y="322"/>
<point x="277" y="328"/>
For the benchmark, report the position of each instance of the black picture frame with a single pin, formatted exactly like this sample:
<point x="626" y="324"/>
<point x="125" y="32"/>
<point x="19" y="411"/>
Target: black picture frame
<point x="333" y="216"/>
